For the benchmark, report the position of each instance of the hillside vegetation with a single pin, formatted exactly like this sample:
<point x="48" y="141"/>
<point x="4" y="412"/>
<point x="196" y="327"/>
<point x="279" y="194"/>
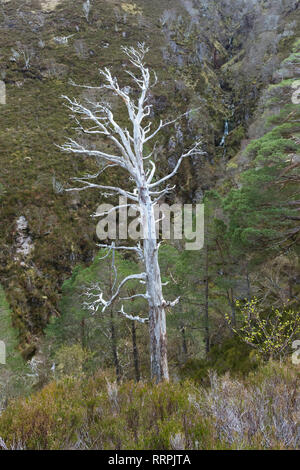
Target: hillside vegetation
<point x="81" y="380"/>
<point x="96" y="413"/>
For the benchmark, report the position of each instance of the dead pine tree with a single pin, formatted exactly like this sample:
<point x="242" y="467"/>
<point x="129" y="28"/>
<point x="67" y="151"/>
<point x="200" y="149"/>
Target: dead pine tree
<point x="97" y="118"/>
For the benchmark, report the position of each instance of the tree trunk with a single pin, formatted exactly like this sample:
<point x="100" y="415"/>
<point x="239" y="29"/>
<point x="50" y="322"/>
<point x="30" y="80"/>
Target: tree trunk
<point x="114" y="346"/>
<point x="157" y="315"/>
<point x="233" y="311"/>
<point x="206" y="317"/>
<point x="135" y="352"/>
<point x="82" y="333"/>
<point x="184" y="343"/>
<point x="248" y="286"/>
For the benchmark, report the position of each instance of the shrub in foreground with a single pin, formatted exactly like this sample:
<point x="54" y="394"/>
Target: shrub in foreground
<point x="259" y="412"/>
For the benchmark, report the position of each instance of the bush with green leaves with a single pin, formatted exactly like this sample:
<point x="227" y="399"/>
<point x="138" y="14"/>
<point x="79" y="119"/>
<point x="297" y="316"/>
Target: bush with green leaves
<point x="271" y="333"/>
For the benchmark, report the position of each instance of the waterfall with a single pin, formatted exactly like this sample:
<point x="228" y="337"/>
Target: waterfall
<point x="226" y="132"/>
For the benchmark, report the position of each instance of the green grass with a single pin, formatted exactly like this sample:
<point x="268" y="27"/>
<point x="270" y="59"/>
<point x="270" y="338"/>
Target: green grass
<point x="13" y="374"/>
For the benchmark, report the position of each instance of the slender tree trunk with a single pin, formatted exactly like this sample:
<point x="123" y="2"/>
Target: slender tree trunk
<point x="206" y="318"/>
<point x="290" y="288"/>
<point x="157" y="315"/>
<point x="233" y="311"/>
<point x="135" y="352"/>
<point x="82" y="333"/>
<point x="232" y="307"/>
<point x="114" y="346"/>
<point x="184" y="343"/>
<point x="248" y="286"/>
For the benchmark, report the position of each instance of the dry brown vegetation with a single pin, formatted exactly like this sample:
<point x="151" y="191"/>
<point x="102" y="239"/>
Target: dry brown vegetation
<point x="260" y="412"/>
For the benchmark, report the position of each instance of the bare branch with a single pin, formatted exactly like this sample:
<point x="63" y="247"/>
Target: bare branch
<point x="130" y="317"/>
<point x="113" y="209"/>
<point x="136" y="248"/>
<point x="193" y="151"/>
<point x="131" y="277"/>
<point x="162" y="124"/>
<point x="172" y="304"/>
<point x="131" y="297"/>
<point x="88" y="185"/>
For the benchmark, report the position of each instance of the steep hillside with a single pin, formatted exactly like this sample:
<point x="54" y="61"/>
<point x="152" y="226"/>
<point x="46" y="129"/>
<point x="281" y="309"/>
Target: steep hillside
<point x="222" y="58"/>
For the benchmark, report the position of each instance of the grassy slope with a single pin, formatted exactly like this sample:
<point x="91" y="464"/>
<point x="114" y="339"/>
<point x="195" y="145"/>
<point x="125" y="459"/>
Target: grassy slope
<point x="12" y="375"/>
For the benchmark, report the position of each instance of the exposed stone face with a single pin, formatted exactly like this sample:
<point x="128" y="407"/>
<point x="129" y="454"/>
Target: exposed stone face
<point x="49" y="5"/>
<point x="46" y="5"/>
<point x="24" y="241"/>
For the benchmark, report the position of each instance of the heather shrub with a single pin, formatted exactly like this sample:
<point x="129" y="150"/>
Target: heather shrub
<point x="256" y="416"/>
<point x="258" y="412"/>
<point x="45" y="420"/>
<point x="71" y="360"/>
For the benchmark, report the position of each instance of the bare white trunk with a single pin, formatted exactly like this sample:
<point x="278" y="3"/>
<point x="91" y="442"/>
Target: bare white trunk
<point x="157" y="315"/>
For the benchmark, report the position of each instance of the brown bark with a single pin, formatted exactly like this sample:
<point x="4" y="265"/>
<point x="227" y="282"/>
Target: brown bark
<point x="135" y="353"/>
<point x="114" y="346"/>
